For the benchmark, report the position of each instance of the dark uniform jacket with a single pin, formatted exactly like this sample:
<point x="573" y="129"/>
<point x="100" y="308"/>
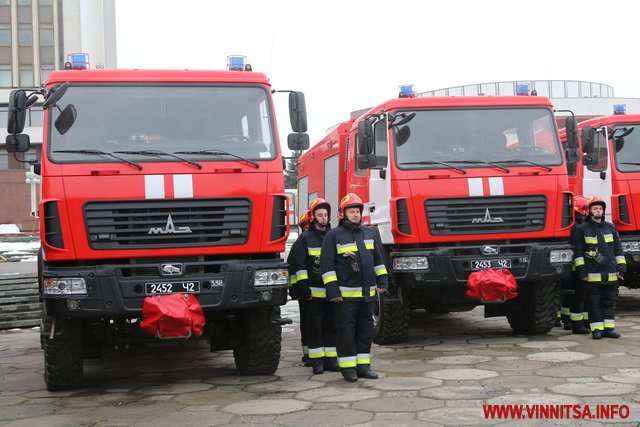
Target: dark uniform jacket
<point x="294" y="291"/>
<point x="351" y="263"/>
<point x="598" y="252"/>
<point x="306" y="263"/>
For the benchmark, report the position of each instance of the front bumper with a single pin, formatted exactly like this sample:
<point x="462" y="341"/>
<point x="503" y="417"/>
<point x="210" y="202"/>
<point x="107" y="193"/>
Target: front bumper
<point x="451" y="265"/>
<point x="118" y="290"/>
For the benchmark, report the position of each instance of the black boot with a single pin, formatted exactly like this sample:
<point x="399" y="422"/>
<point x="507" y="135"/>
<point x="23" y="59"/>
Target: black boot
<point x="350" y="375"/>
<point x="366" y="372"/>
<point x="558" y="322"/>
<point x="331" y="364"/>
<point x="597" y="334"/>
<point x="317" y="365"/>
<point x="578" y="328"/>
<point x="610" y="333"/>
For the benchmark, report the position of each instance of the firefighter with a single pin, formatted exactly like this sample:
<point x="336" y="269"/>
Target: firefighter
<point x="320" y="325"/>
<point x="578" y="315"/>
<point x="353" y="272"/>
<point x="600" y="263"/>
<point x="294" y="292"/>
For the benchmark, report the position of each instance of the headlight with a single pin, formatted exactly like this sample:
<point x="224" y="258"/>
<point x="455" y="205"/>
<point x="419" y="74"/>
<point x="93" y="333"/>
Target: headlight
<point x="273" y="277"/>
<point x="631" y="246"/>
<point x="411" y="263"/>
<point x="65" y="286"/>
<point x="561" y="255"/>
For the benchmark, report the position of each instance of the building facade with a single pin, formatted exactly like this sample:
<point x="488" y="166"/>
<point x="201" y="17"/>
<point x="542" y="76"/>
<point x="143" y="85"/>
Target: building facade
<point x="35" y="38"/>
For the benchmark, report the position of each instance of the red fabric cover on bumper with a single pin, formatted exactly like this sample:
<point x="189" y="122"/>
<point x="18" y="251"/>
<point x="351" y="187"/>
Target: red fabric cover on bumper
<point x="172" y="316"/>
<point x="491" y="285"/>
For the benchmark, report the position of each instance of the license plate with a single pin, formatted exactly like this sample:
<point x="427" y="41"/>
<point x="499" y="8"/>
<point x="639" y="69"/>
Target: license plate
<point x="490" y="263"/>
<point x="192" y="287"/>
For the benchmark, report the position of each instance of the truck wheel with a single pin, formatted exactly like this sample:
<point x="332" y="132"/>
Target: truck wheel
<point x="390" y="319"/>
<point x="62" y="354"/>
<point x="535" y="309"/>
<point x="261" y="338"/>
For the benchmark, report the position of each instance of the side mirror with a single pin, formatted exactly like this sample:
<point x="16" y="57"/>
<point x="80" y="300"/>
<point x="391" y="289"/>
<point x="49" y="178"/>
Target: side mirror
<point x="589" y="160"/>
<point x="402" y="135"/>
<point x="618" y="143"/>
<point x="66" y="119"/>
<point x="55" y="93"/>
<point x="297" y="112"/>
<point x="572" y="132"/>
<point x="367" y="161"/>
<point x="587" y="136"/>
<point x="17" y="113"/>
<point x="365" y="137"/>
<point x="298" y="141"/>
<point x="18" y="143"/>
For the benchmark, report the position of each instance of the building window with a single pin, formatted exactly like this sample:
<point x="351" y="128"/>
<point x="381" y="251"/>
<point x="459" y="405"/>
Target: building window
<point x="440" y="92"/>
<point x="585" y="89"/>
<point x="5" y="76"/>
<point x="505" y="88"/>
<point x="25" y="37"/>
<point x="44" y="72"/>
<point x="557" y="89"/>
<point x="572" y="89"/>
<point x="46" y="37"/>
<point x="4" y="160"/>
<point x="541" y="87"/>
<point x="26" y="76"/>
<point x="595" y="89"/>
<point x="24" y="15"/>
<point x="5" y="36"/>
<point x="488" y="88"/>
<point x="455" y="91"/>
<point x="4" y="2"/>
<point x="471" y="90"/>
<point x="24" y="2"/>
<point x="3" y="117"/>
<point x="37" y="117"/>
<point x="45" y="2"/>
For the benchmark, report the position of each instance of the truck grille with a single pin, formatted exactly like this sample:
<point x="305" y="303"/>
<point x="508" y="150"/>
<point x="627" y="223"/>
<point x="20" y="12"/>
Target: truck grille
<point x="479" y="215"/>
<point x="167" y="223"/>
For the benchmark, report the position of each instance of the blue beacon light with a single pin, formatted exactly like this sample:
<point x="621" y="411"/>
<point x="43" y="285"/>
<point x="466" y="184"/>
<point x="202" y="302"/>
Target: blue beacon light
<point x="620" y="109"/>
<point x="77" y="61"/>
<point x="236" y="62"/>
<point x="407" y="91"/>
<point x="522" y="89"/>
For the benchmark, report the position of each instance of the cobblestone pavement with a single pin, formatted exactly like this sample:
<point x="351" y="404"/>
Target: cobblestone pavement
<point x="451" y="366"/>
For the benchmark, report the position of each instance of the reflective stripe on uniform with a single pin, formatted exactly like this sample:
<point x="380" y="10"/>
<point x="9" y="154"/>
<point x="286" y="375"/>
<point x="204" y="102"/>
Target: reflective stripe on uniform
<point x="578" y="261"/>
<point x="330" y="352"/>
<point x="613" y="277"/>
<point x="609" y="323"/>
<point x="347" y="362"/>
<point x="576" y="317"/>
<point x="565" y="311"/>
<point x="597" y="326"/>
<point x="329" y="276"/>
<point x="305" y="350"/>
<point x="363" y="359"/>
<point x="368" y="243"/>
<point x="315" y="353"/>
<point x="318" y="292"/>
<point x="347" y="247"/>
<point x="314" y="251"/>
<point x="380" y="270"/>
<point x="293" y="280"/>
<point x="348" y="292"/>
<point x="608" y="238"/>
<point x="591" y="240"/>
<point x="594" y="277"/>
<point x="302" y="275"/>
<point x="620" y="259"/>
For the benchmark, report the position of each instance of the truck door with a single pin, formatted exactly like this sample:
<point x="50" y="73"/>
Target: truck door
<point x="597" y="169"/>
<point x="380" y="182"/>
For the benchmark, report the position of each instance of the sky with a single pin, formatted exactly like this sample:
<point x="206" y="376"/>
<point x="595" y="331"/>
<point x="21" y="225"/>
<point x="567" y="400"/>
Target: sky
<point x="351" y="54"/>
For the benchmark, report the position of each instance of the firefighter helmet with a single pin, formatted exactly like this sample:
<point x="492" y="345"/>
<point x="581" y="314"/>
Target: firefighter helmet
<point x="597" y="200"/>
<point x="581" y="204"/>
<point x="351" y="200"/>
<point x="318" y="203"/>
<point x="303" y="223"/>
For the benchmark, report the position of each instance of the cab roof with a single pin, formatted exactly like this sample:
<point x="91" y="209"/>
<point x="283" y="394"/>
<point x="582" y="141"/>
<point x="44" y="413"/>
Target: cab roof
<point x="463" y="101"/>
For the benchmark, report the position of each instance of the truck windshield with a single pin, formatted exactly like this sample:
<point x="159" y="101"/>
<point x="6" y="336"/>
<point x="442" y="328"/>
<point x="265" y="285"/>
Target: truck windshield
<point x="504" y="136"/>
<point x="111" y="119"/>
<point x="627" y="154"/>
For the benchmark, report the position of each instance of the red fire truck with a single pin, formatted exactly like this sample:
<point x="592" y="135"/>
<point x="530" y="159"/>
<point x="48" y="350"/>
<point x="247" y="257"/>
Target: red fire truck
<point x="454" y="185"/>
<point x="159" y="182"/>
<point x="610" y="168"/>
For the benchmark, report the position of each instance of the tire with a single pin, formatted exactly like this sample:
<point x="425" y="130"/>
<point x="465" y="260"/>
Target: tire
<point x="390" y="319"/>
<point x="259" y="351"/>
<point x="535" y="308"/>
<point x="62" y="354"/>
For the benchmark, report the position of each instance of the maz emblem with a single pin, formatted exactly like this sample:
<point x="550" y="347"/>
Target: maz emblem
<point x="169" y="228"/>
<point x="490" y="250"/>
<point x="487" y="219"/>
<point x="171" y="269"/>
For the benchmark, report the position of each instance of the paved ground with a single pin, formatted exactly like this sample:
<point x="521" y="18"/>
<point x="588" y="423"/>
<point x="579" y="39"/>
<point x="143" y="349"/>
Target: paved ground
<point x="450" y="367"/>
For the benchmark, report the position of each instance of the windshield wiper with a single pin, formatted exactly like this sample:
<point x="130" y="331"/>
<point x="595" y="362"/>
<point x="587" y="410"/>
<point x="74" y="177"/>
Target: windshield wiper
<point x="431" y="162"/>
<point x="630" y="163"/>
<point x="100" y="153"/>
<point x="159" y="153"/>
<point x="524" y="161"/>
<point x="219" y="153"/>
<point x="480" y="162"/>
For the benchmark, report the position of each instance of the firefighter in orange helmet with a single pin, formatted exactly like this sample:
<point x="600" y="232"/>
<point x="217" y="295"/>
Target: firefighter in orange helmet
<point x="353" y="272"/>
<point x="600" y="263"/>
<point x="320" y="327"/>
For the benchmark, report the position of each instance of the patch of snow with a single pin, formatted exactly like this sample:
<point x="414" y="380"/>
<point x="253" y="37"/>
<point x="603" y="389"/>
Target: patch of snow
<point x="9" y="229"/>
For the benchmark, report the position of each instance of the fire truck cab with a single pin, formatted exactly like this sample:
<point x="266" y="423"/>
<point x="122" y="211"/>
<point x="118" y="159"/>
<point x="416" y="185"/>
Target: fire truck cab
<point x="157" y="182"/>
<point x="609" y="167"/>
<point x="455" y="185"/>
